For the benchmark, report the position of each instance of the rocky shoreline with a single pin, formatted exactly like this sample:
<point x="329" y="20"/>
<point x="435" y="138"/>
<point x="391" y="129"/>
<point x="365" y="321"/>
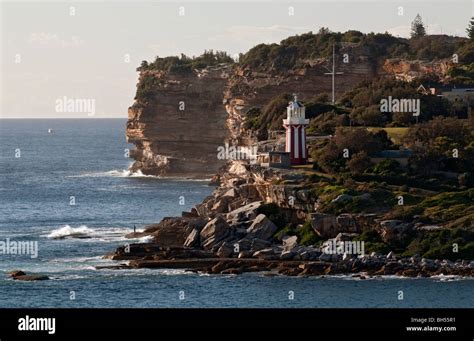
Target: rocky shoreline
<point x="228" y="233"/>
<point x="152" y="257"/>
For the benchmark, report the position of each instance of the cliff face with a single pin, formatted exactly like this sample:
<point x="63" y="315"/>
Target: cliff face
<point x="408" y="70"/>
<point x="178" y="131"/>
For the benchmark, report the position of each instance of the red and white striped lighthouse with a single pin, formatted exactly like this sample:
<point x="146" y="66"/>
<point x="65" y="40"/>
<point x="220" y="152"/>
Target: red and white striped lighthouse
<point x="295" y="125"/>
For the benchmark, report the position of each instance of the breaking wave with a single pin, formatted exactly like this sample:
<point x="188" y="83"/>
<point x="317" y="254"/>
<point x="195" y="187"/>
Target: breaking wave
<point x="114" y="173"/>
<point x="84" y="232"/>
<point x="125" y="173"/>
<point x="71" y="232"/>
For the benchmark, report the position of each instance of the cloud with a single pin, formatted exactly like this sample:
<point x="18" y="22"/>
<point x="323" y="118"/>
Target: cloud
<point x="53" y="40"/>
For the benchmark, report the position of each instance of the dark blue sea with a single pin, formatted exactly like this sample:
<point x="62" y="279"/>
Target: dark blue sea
<point x="84" y="162"/>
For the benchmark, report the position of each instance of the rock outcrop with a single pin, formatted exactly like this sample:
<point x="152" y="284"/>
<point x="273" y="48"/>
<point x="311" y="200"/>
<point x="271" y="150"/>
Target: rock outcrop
<point x="22" y="276"/>
<point x="408" y="70"/>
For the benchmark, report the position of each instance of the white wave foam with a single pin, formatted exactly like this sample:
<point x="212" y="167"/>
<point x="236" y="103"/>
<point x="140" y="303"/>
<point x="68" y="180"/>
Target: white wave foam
<point x="146" y="272"/>
<point x="79" y="259"/>
<point x="114" y="173"/>
<point x="105" y="234"/>
<point x="71" y="232"/>
<point x="146" y="239"/>
<point x="125" y="173"/>
<point x="447" y="278"/>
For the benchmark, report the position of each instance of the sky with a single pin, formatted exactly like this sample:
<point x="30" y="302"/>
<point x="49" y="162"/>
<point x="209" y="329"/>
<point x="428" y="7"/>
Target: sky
<point x="59" y="61"/>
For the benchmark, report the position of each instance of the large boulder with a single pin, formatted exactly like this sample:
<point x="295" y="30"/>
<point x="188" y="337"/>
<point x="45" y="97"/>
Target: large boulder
<point x="287" y="255"/>
<point x="325" y="225"/>
<point x="249" y="192"/>
<point x="307" y="252"/>
<point x="21" y="276"/>
<point x="268" y="254"/>
<point x="170" y="232"/>
<point x="262" y="228"/>
<point x="391" y="230"/>
<point x="226" y="250"/>
<point x="203" y="208"/>
<point x="231" y="193"/>
<point x="346" y="223"/>
<point x="215" y="231"/>
<point x="259" y="244"/>
<point x="366" y="220"/>
<point x="290" y="242"/>
<point x="193" y="238"/>
<point x="16" y="273"/>
<point x="221" y="205"/>
<point x="247" y="212"/>
<point x="244" y="244"/>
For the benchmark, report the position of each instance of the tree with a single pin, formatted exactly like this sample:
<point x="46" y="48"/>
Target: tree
<point x="358" y="163"/>
<point x="356" y="141"/>
<point x="441" y="144"/>
<point x="324" y="30"/>
<point x="143" y="66"/>
<point x="417" y="27"/>
<point x="470" y="29"/>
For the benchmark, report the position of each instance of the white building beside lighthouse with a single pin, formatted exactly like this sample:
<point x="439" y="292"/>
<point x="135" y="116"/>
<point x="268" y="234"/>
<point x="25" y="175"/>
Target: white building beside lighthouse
<point x="295" y="125"/>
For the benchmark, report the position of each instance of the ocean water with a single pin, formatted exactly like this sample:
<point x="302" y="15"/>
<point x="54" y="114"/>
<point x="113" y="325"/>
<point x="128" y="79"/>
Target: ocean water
<point x="84" y="162"/>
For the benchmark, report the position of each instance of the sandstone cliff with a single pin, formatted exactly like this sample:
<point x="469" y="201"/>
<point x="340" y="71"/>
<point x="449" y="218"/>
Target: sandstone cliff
<point x="177" y="132"/>
<point x="408" y="70"/>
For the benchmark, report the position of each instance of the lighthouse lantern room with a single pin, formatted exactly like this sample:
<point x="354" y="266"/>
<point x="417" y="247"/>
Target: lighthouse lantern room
<point x="295" y="125"/>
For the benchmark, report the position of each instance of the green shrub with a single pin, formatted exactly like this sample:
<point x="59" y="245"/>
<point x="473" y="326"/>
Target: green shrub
<point x="439" y="244"/>
<point x="373" y="242"/>
<point x="387" y="167"/>
<point x="306" y="234"/>
<point x="185" y="64"/>
<point x="404" y="213"/>
<point x="146" y="88"/>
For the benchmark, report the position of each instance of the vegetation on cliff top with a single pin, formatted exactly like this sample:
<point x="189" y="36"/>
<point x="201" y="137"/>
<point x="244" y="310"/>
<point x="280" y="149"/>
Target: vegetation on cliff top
<point x="185" y="64"/>
<point x="295" y="52"/>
